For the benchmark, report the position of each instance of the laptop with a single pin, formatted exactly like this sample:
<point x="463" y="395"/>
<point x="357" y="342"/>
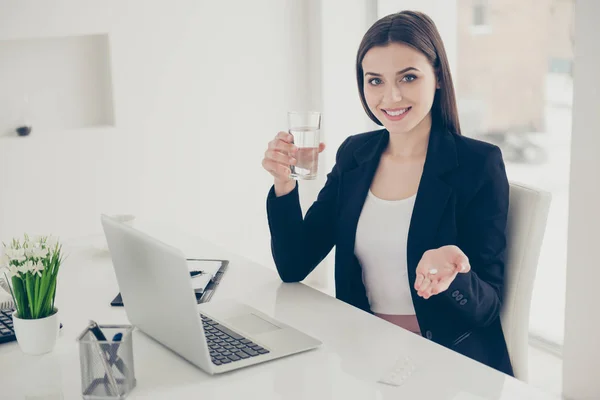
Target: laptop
<point x="217" y="336"/>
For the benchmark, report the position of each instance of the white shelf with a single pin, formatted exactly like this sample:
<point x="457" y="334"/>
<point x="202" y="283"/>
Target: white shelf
<point x="66" y="81"/>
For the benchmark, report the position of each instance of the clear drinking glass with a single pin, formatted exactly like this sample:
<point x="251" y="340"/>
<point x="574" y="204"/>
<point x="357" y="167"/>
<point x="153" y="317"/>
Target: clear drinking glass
<point x="305" y="128"/>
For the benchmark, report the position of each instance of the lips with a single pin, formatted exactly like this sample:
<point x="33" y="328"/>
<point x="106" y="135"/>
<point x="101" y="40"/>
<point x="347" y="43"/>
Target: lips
<point x="396" y="114"/>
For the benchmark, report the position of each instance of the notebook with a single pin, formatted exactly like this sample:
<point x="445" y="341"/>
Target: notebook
<point x="204" y="284"/>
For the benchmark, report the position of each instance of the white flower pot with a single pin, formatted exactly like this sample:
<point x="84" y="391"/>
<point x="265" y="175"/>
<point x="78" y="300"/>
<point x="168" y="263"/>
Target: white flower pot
<point x="36" y="336"/>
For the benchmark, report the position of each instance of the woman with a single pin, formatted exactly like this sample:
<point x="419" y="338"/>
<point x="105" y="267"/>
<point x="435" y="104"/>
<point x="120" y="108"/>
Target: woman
<point x="416" y="211"/>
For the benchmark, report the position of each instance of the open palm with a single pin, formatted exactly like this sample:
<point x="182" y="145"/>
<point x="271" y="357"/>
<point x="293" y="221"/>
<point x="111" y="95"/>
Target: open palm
<point x="438" y="268"/>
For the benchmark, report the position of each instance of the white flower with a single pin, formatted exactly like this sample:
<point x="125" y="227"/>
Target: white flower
<point x="8" y="252"/>
<point x="29" y="252"/>
<point x="12" y="270"/>
<point x="16" y="254"/>
<point x="39" y="252"/>
<point x="38" y="268"/>
<point x="51" y="242"/>
<point x="27" y="267"/>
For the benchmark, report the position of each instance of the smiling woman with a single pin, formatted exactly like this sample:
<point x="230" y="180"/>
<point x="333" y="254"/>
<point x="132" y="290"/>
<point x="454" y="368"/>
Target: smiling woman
<point x="417" y="211"/>
<point x="404" y="58"/>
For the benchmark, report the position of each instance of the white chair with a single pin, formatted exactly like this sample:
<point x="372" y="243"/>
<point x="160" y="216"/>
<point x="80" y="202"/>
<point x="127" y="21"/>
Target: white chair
<point x="527" y="217"/>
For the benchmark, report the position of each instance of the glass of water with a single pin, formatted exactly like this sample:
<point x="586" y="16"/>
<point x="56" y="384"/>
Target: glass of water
<point x="305" y="128"/>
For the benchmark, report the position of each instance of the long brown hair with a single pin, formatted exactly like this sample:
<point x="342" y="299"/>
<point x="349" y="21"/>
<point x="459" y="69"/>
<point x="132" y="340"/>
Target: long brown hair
<point x="417" y="30"/>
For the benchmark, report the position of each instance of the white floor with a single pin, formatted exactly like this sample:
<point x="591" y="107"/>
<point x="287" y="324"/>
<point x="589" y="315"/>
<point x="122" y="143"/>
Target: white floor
<point x="545" y="371"/>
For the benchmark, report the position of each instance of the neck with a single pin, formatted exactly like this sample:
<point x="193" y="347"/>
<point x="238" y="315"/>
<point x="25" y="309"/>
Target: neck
<point x="412" y="143"/>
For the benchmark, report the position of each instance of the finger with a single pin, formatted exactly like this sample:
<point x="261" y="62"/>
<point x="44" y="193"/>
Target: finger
<point x="438" y="288"/>
<point x="464" y="267"/>
<point x="461" y="262"/>
<point x="431" y="289"/>
<point x="429" y="292"/>
<point x="276" y="169"/>
<point x="424" y="286"/>
<point x="321" y="147"/>
<point x="285" y="136"/>
<point x="279" y="157"/>
<point x="284" y="147"/>
<point x="444" y="284"/>
<point x="419" y="281"/>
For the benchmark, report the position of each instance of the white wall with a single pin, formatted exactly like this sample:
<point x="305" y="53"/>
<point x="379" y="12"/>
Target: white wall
<point x="581" y="353"/>
<point x="199" y="90"/>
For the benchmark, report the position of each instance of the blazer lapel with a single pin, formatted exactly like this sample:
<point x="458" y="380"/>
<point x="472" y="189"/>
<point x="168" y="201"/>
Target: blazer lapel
<point x="432" y="196"/>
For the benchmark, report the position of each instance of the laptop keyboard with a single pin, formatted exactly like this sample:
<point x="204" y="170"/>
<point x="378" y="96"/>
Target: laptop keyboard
<point x="7" y="332"/>
<point x="227" y="346"/>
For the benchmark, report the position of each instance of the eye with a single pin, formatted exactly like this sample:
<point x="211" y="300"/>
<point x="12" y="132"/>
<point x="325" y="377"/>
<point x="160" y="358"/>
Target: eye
<point x="409" y="78"/>
<point x="375" y="81"/>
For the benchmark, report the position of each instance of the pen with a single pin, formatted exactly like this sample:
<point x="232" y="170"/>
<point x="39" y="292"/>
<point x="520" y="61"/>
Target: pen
<point x="102" y="354"/>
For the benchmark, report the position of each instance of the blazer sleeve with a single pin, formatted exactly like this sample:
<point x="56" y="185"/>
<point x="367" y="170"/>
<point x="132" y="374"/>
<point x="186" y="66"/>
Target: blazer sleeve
<point x="299" y="244"/>
<point x="477" y="295"/>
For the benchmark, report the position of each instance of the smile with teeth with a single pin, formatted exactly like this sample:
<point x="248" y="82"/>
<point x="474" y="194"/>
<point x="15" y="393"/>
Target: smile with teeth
<point x="395" y="113"/>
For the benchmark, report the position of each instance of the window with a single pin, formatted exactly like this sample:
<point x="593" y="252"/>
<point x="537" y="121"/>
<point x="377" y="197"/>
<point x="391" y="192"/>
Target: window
<point x="560" y="65"/>
<point x="514" y="89"/>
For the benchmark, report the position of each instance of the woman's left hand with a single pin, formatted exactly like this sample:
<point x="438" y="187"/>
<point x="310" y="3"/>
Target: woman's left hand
<point x="438" y="268"/>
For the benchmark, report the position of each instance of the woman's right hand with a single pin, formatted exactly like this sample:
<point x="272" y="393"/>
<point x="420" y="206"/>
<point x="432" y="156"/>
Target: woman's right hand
<point x="279" y="156"/>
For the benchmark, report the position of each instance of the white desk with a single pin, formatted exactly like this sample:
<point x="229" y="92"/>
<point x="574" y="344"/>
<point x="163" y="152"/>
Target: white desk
<point x="357" y="347"/>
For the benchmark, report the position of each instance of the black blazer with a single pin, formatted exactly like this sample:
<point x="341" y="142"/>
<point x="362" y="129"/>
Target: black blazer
<point x="462" y="200"/>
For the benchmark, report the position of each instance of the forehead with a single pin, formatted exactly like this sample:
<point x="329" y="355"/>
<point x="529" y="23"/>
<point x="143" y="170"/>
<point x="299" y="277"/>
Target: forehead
<point x="394" y="57"/>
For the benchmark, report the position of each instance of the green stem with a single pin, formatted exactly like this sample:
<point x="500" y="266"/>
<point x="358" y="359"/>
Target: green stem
<point x="29" y="288"/>
<point x="20" y="296"/>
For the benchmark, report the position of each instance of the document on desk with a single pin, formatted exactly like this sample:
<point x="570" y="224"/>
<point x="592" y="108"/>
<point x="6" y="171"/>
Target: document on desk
<point x="209" y="269"/>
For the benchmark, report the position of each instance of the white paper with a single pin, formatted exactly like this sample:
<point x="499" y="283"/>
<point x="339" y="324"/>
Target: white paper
<point x="199" y="282"/>
<point x="210" y="269"/>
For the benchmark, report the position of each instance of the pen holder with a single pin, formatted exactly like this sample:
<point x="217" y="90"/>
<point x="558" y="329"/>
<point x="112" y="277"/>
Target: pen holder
<point x="107" y="365"/>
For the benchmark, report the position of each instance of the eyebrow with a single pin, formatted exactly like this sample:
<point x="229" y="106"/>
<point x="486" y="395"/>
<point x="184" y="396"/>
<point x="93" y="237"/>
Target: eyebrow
<point x="397" y="73"/>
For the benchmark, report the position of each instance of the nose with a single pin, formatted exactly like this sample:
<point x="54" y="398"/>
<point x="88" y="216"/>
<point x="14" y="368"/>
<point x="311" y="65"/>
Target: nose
<point x="394" y="94"/>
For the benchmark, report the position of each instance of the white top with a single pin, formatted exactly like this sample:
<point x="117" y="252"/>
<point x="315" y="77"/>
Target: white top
<point x="381" y="237"/>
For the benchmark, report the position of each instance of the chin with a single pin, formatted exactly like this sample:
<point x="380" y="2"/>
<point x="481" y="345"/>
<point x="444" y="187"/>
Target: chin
<point x="401" y="127"/>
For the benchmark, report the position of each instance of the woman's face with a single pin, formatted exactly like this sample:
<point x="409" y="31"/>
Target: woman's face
<point x="399" y="86"/>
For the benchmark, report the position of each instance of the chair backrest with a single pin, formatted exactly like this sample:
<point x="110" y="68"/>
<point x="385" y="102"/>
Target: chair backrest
<point x="527" y="216"/>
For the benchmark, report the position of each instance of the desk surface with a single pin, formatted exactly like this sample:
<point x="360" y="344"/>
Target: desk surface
<point x="358" y="348"/>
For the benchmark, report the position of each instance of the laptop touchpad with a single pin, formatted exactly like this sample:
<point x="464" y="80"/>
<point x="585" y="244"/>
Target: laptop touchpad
<point x="253" y="324"/>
